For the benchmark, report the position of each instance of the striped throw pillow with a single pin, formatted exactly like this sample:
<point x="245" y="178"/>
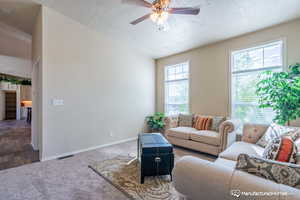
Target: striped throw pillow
<point x="203" y="123"/>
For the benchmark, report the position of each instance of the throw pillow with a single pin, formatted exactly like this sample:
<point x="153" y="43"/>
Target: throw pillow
<point x="281" y="149"/>
<point x="272" y="132"/>
<point x="298" y="158"/>
<point x="297" y="143"/>
<point x="216" y="122"/>
<point x="185" y="120"/>
<point x="203" y="123"/>
<point x="279" y="172"/>
<point x="294" y="135"/>
<point x="253" y="132"/>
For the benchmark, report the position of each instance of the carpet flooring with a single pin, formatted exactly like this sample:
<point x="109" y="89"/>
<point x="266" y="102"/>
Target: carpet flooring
<point x="15" y="144"/>
<point x="70" y="178"/>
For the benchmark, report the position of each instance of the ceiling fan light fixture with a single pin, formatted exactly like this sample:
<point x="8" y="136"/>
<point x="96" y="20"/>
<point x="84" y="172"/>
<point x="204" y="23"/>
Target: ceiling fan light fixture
<point x="161" y="11"/>
<point x="154" y="16"/>
<point x="159" y="18"/>
<point x="164" y="15"/>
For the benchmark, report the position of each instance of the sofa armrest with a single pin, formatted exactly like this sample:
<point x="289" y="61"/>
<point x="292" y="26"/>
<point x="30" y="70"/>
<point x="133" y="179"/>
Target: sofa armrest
<point x="170" y="122"/>
<point x="227" y="132"/>
<point x="198" y="179"/>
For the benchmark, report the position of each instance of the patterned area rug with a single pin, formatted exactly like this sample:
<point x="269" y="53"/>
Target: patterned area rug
<point x="126" y="178"/>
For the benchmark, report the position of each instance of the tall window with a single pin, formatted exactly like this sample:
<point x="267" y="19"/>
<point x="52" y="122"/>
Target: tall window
<point x="177" y="89"/>
<point x="246" y="67"/>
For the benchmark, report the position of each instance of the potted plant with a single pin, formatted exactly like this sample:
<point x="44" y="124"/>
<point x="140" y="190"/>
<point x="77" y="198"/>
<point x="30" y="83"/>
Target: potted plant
<point x="156" y="122"/>
<point x="281" y="92"/>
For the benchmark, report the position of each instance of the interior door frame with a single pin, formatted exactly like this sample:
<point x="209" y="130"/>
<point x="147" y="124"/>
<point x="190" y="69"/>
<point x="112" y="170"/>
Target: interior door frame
<point x="35" y="106"/>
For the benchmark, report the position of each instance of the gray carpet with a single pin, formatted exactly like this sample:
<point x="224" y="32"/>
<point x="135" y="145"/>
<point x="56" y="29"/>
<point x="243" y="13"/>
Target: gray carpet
<point x="68" y="179"/>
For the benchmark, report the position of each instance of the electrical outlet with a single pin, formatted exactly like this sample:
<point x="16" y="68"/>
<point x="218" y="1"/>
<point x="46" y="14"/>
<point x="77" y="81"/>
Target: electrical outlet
<point x="57" y="102"/>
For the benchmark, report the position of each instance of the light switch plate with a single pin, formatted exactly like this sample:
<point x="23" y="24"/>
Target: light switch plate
<point x="57" y="102"/>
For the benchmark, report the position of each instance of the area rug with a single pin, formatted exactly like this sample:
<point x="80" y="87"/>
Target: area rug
<point x="126" y="178"/>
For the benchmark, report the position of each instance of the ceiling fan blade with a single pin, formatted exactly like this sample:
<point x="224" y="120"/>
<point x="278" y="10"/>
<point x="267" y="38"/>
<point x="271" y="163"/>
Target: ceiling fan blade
<point x="184" y="11"/>
<point x="138" y="3"/>
<point x="140" y="19"/>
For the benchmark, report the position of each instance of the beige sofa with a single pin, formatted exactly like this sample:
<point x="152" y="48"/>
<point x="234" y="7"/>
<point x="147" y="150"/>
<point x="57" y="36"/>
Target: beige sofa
<point x="205" y="141"/>
<point x="199" y="179"/>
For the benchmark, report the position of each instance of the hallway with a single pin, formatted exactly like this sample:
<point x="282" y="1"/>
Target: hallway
<point x="15" y="144"/>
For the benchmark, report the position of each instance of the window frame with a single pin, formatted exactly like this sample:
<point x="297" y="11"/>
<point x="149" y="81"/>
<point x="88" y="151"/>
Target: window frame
<point x="247" y="48"/>
<point x="188" y="80"/>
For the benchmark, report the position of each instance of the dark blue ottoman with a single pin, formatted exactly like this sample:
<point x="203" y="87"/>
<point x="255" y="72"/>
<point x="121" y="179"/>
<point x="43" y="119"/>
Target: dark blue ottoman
<point x="155" y="155"/>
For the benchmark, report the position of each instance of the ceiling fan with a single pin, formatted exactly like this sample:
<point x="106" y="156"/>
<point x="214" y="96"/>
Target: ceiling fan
<point x="160" y="11"/>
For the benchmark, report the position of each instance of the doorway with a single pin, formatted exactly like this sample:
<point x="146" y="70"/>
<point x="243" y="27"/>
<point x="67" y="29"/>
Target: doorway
<point x="10" y="105"/>
<point x="16" y="146"/>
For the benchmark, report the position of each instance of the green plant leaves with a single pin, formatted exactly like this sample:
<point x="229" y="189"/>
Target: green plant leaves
<point x="15" y="80"/>
<point x="281" y="92"/>
<point x="156" y="121"/>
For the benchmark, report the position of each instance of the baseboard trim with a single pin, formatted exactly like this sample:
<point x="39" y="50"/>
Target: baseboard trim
<point x="87" y="149"/>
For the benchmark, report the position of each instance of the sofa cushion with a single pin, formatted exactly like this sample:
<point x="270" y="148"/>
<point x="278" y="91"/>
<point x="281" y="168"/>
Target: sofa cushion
<point x="207" y="137"/>
<point x="180" y="132"/>
<point x="273" y="132"/>
<point x="232" y="152"/>
<point x="185" y="120"/>
<point x="225" y="162"/>
<point x="279" y="172"/>
<point x="281" y="149"/>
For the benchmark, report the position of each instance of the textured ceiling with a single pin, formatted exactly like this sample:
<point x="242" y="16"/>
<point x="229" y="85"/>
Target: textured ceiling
<point x="19" y="14"/>
<point x="218" y="20"/>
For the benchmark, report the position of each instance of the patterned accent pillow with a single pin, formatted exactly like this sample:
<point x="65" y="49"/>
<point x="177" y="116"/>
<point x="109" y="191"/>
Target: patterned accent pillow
<point x="203" y="123"/>
<point x="281" y="149"/>
<point x="279" y="172"/>
<point x="185" y="120"/>
<point x="294" y="135"/>
<point x="216" y="122"/>
<point x="274" y="131"/>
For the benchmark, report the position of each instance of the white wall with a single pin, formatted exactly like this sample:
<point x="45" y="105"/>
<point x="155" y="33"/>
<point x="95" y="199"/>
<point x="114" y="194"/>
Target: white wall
<point x="107" y="87"/>
<point x="14" y="43"/>
<point x="209" y="67"/>
<point x="15" y="66"/>
<point x="15" y="52"/>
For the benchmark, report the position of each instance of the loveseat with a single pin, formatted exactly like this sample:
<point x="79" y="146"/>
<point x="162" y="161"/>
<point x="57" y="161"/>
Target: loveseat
<point x="199" y="179"/>
<point x="208" y="141"/>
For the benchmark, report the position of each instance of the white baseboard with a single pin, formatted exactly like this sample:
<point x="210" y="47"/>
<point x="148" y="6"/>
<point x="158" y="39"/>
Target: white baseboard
<point x="87" y="149"/>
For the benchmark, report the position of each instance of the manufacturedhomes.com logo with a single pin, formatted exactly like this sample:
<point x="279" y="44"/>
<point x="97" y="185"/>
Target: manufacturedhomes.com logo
<point x="238" y="193"/>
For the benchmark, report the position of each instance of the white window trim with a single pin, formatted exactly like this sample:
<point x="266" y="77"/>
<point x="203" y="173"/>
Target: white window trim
<point x="189" y="85"/>
<point x="253" y="46"/>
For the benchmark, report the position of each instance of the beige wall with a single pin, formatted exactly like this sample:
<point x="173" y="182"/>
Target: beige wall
<point x="209" y="67"/>
<point x="13" y="43"/>
<point x="107" y="87"/>
<point x="15" y="52"/>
